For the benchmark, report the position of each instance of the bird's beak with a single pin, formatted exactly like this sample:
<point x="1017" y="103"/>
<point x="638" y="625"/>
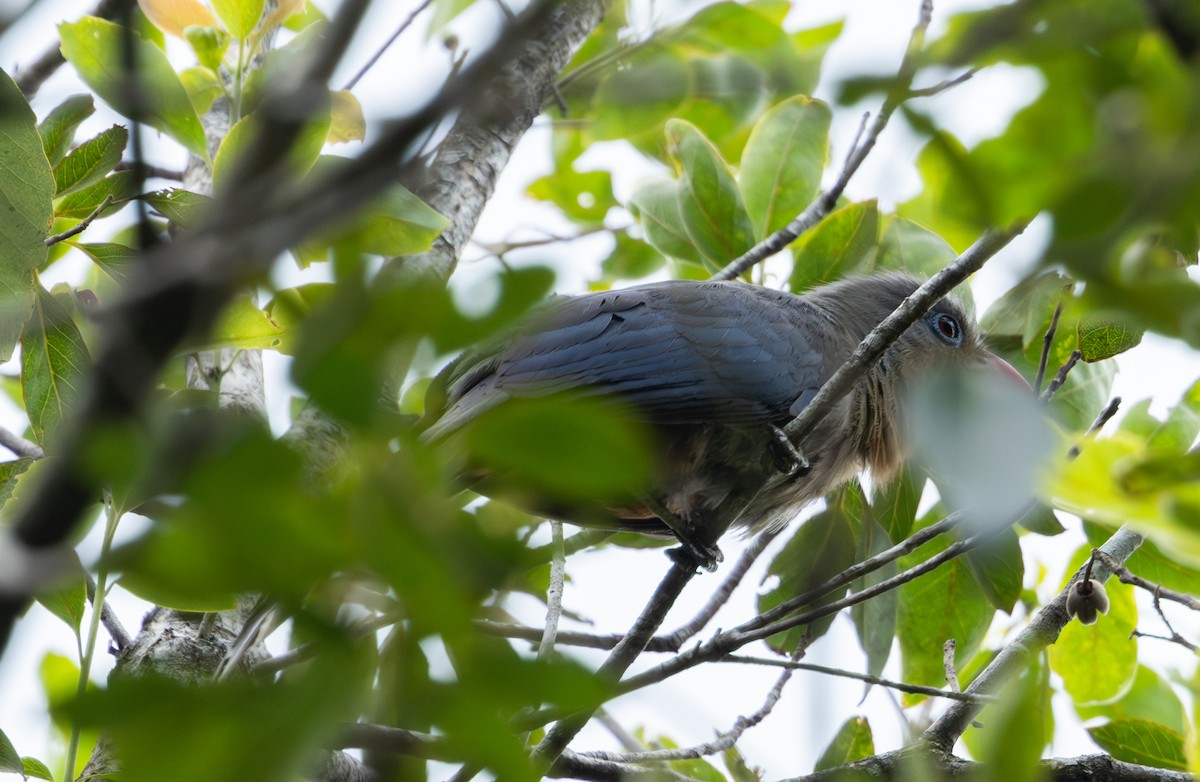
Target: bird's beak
<point x="1007" y="371"/>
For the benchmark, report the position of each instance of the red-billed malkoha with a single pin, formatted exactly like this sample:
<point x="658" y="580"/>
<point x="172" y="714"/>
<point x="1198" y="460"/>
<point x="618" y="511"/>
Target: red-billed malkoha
<point x="717" y="369"/>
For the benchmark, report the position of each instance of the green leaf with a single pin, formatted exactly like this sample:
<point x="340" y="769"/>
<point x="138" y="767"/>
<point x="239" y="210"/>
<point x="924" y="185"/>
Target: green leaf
<point x="67" y="604"/>
<point x="243" y="325"/>
<point x="122" y="186"/>
<point x="894" y="504"/>
<point x="1150" y="698"/>
<point x="783" y="161"/>
<point x="203" y="87"/>
<point x="90" y="161"/>
<point x="26" y="190"/>
<point x="875" y="619"/>
<point x="1182" y="426"/>
<point x="1143" y="742"/>
<point x="54" y="364"/>
<point x="181" y="207"/>
<point x="95" y="47"/>
<point x="853" y="742"/>
<point x="642" y="95"/>
<point x="999" y="569"/>
<point x="631" y="259"/>
<point x="9" y="759"/>
<point x="36" y="769"/>
<point x="709" y="199"/>
<point x="569" y="448"/>
<point x="1101" y="339"/>
<point x="58" y="128"/>
<point x="1098" y="662"/>
<point x="347" y="122"/>
<point x="656" y="204"/>
<point x="1018" y="728"/>
<point x="114" y="259"/>
<point x="822" y="547"/>
<point x="943" y="604"/>
<point x="907" y="246"/>
<point x="306" y="147"/>
<point x="9" y="473"/>
<point x="843" y="243"/>
<point x="240" y="17"/>
<point x="444" y="11"/>
<point x="584" y="197"/>
<point x="1024" y="311"/>
<point x="209" y="44"/>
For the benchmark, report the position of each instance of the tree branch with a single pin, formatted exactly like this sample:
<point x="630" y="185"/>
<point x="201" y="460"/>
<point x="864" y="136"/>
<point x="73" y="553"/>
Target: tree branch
<point x="1041" y="631"/>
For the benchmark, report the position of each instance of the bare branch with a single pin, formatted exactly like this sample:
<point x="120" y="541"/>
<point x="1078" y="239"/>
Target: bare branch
<point x="915" y="689"/>
<point x="1126" y="576"/>
<point x="81" y="226"/>
<point x="1105" y="415"/>
<point x="1047" y="341"/>
<point x="1061" y="377"/>
<point x="20" y="446"/>
<point x="554" y="595"/>
<point x="948" y="665"/>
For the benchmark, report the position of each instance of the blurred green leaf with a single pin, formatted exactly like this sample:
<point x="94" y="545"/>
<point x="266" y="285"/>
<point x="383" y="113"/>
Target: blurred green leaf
<point x="1143" y="742"/>
<point x="584" y="197"/>
<point x="89" y="162"/>
<point x="1017" y="729"/>
<point x="92" y="45"/>
<point x="894" y="504"/>
<point x="631" y="259"/>
<point x="67" y="604"/>
<point x="907" y="246"/>
<point x="208" y="43"/>
<point x="852" y="742"/>
<point x="244" y="326"/>
<point x="240" y="17"/>
<point x="58" y="128"/>
<point x="10" y="760"/>
<point x="54" y="364"/>
<point x="302" y="155"/>
<point x="781" y="166"/>
<point x="203" y="87"/>
<point x="642" y="95"/>
<point x="36" y="769"/>
<point x="114" y="259"/>
<point x="565" y="447"/>
<point x="1150" y="699"/>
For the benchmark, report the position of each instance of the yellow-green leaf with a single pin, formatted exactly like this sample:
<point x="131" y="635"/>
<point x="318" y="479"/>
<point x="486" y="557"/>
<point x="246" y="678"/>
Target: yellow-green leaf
<point x="172" y="16"/>
<point x="240" y="17"/>
<point x="90" y="161"/>
<point x="348" y="123"/>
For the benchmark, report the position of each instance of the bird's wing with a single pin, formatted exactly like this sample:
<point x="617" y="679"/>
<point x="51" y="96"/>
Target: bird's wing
<point x="676" y="352"/>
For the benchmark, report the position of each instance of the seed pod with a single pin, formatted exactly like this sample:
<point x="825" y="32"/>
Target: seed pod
<point x="1087" y="601"/>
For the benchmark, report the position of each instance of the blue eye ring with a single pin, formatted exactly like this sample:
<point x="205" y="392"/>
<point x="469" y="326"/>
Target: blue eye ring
<point x="946" y="327"/>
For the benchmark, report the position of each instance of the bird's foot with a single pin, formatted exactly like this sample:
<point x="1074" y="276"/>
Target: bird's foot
<point x="789" y="459"/>
<point x="696" y="555"/>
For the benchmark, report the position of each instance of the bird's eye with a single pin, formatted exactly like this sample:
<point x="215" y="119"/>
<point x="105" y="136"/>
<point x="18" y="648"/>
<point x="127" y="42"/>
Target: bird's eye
<point x="947" y="327"/>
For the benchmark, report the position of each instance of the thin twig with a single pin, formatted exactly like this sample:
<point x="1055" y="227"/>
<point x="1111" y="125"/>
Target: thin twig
<point x="1107" y="413"/>
<point x="1125" y="576"/>
<point x="81" y="226"/>
<point x="1047" y="341"/>
<point x="1175" y="636"/>
<point x="914" y="689"/>
<point x="724" y="740"/>
<point x="942" y="86"/>
<point x="370" y="63"/>
<point x="1061" y="377"/>
<point x="20" y="446"/>
<point x="150" y="170"/>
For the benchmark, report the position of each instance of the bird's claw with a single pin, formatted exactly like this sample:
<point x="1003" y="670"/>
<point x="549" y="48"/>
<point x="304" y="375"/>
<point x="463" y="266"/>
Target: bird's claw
<point x="696" y="555"/>
<point x="789" y="459"/>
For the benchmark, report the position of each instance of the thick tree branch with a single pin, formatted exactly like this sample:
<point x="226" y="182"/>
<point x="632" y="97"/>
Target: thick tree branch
<point x="900" y="765"/>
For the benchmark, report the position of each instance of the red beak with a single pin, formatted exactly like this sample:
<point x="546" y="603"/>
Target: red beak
<point x="1007" y="371"/>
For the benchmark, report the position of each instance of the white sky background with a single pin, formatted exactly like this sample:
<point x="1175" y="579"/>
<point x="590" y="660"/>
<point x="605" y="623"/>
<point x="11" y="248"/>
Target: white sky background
<point x="611" y="586"/>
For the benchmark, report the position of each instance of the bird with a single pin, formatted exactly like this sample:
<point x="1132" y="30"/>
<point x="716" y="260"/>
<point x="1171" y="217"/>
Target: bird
<point x="715" y="370"/>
